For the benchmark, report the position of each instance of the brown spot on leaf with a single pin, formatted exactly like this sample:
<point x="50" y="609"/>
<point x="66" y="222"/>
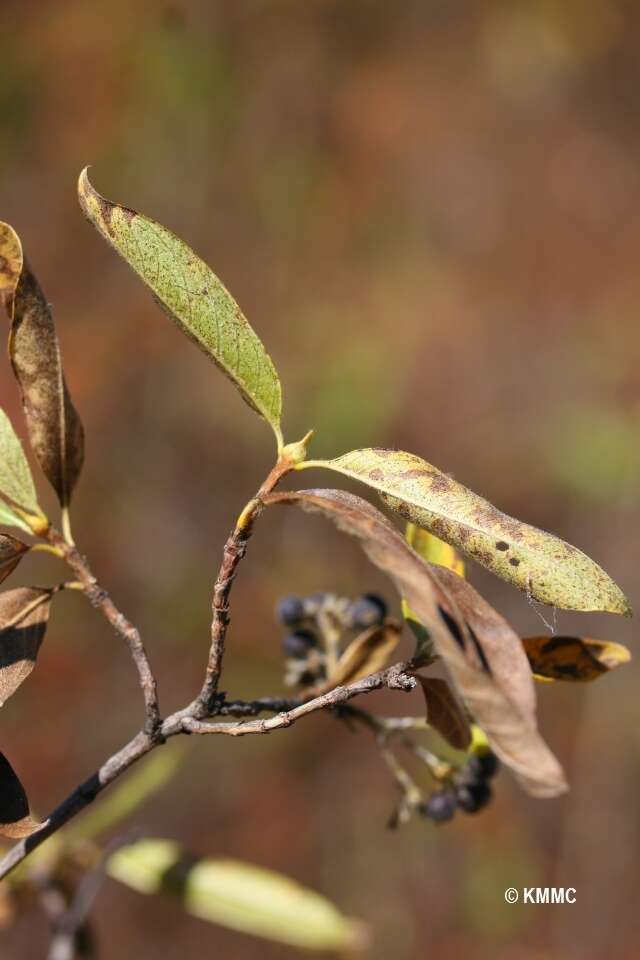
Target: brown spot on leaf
<point x="514" y="562"/>
<point x="501" y="545"/>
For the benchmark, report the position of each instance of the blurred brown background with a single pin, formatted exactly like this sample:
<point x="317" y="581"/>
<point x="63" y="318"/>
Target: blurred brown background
<point x="430" y="213"/>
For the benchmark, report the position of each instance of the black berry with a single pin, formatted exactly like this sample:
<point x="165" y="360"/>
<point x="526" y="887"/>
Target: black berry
<point x="473" y="796"/>
<point x="290" y="611"/>
<point x="440" y="806"/>
<point x="368" y="611"/>
<point x="484" y="765"/>
<point x="298" y="644"/>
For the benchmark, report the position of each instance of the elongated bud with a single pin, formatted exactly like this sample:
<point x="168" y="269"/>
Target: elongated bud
<point x="297" y="452"/>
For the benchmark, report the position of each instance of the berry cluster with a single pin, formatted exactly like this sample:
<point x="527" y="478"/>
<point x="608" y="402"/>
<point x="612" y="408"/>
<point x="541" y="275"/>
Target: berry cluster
<point x="470" y="789"/>
<point x="319" y="623"/>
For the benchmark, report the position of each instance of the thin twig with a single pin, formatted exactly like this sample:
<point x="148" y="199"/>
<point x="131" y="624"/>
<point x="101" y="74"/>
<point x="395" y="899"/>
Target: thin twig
<point x="396" y="677"/>
<point x="234" y="550"/>
<point x="100" y="599"/>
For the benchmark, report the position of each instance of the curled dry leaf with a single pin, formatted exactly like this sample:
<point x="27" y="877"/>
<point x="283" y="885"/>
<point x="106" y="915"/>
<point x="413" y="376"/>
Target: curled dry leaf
<point x="10" y="264"/>
<point x="512" y="734"/>
<point x="237" y="895"/>
<point x="194" y="298"/>
<point x="539" y="563"/>
<point x="24" y="613"/>
<point x="15" y="820"/>
<point x="11" y="551"/>
<point x="497" y="645"/>
<point x="368" y="653"/>
<point x="444" y="713"/>
<point x="573" y="658"/>
<point x="55" y="430"/>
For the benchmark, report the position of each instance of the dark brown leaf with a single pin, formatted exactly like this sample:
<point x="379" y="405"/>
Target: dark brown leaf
<point x="11" y="551"/>
<point x="513" y="735"/>
<point x="55" y="430"/>
<point x="24" y="613"/>
<point x="15" y="819"/>
<point x="444" y="713"/>
<point x="573" y="658"/>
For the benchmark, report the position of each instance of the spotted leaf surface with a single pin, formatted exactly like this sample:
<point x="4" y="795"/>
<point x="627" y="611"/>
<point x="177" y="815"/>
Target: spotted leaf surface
<point x="192" y="295"/>
<point x="511" y="733"/>
<point x="55" y="430"/>
<point x="10" y="264"/>
<point x="576" y="659"/>
<point x="539" y="563"/>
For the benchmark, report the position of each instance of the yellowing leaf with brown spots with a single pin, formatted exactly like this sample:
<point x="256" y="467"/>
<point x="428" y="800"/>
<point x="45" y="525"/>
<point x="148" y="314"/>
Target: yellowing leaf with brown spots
<point x="576" y="659"/>
<point x="24" y="613"/>
<point x="539" y="563"/>
<point x="444" y="713"/>
<point x="193" y="297"/>
<point x="367" y="654"/>
<point x="512" y="733"/>
<point x="55" y="430"/>
<point x="15" y="820"/>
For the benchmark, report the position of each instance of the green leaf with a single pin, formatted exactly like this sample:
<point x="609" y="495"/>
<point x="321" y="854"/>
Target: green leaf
<point x="15" y="820"/>
<point x="11" y="552"/>
<point x="192" y="295"/>
<point x="237" y="895"/>
<point x="577" y="659"/>
<point x="16" y="482"/>
<point x="509" y="728"/>
<point x="11" y="519"/>
<point x="24" y="613"/>
<point x="55" y="430"/>
<point x="543" y="566"/>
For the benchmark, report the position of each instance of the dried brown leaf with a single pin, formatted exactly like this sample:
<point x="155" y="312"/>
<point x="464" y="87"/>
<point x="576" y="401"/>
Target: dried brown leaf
<point x="513" y="736"/>
<point x="444" y="713"/>
<point x="15" y="820"/>
<point x="55" y="430"/>
<point x="494" y="639"/>
<point x="10" y="264"/>
<point x="367" y="654"/>
<point x="24" y="613"/>
<point x="11" y="551"/>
